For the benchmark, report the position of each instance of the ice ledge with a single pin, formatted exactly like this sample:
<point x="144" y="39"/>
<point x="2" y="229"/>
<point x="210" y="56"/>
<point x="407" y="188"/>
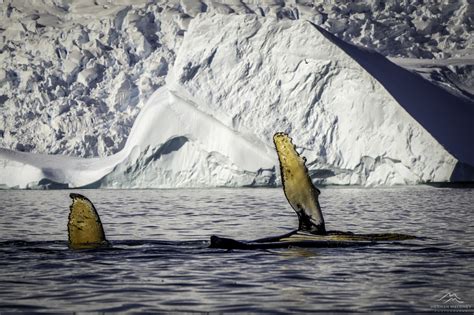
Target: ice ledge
<point x="172" y="144"/>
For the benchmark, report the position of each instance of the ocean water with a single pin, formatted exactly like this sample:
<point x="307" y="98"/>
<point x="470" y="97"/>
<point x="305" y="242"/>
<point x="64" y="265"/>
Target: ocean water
<point x="160" y="260"/>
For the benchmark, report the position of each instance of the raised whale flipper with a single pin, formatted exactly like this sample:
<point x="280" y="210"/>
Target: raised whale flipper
<point x="298" y="187"/>
<point x="84" y="227"/>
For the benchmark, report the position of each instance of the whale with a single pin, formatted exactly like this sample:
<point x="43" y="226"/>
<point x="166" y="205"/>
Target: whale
<point x="303" y="197"/>
<point x="85" y="230"/>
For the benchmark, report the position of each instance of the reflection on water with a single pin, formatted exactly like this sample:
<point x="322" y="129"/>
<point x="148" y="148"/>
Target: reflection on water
<point x="160" y="260"/>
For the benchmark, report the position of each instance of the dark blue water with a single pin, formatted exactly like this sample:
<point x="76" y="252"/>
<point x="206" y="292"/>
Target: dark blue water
<point x="160" y="261"/>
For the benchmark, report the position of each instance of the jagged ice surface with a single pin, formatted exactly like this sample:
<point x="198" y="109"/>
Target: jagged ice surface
<point x="348" y="126"/>
<point x="226" y="83"/>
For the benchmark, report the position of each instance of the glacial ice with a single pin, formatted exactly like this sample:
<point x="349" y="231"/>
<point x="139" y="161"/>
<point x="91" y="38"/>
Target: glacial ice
<point x="172" y="144"/>
<point x="205" y="84"/>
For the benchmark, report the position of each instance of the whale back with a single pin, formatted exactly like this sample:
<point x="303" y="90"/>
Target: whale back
<point x="84" y="226"/>
<point x="298" y="187"/>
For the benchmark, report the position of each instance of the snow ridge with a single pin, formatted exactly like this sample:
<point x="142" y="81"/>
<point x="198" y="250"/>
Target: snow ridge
<point x="191" y="149"/>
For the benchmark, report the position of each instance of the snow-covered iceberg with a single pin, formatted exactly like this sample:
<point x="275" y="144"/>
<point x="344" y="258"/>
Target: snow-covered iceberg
<point x="238" y="79"/>
<point x="172" y="144"/>
<point x="260" y="76"/>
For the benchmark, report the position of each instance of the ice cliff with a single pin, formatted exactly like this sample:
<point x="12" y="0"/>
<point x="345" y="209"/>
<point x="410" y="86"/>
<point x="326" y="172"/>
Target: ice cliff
<point x="224" y="81"/>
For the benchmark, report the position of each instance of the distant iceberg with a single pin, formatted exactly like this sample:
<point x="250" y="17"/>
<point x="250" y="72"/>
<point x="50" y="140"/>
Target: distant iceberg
<point x="238" y="79"/>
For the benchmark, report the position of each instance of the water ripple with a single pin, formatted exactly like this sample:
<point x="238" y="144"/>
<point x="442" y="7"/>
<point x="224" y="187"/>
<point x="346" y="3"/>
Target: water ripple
<point x="160" y="262"/>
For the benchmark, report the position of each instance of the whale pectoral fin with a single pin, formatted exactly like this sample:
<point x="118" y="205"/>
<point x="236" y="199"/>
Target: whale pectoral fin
<point x="84" y="227"/>
<point x="298" y="187"/>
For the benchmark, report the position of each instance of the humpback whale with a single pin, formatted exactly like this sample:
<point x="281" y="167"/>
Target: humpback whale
<point x="303" y="196"/>
<point x="84" y="227"/>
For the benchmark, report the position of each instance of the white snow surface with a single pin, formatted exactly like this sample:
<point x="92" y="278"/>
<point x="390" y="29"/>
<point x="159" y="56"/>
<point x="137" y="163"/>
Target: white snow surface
<point x="212" y="81"/>
<point x="172" y="144"/>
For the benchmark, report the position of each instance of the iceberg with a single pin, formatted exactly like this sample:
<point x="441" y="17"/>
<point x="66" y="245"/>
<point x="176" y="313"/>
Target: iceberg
<point x="237" y="80"/>
<point x="344" y="106"/>
<point x="172" y="144"/>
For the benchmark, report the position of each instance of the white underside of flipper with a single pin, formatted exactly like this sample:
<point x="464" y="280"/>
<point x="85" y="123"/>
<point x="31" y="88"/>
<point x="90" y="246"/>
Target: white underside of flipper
<point x="84" y="226"/>
<point x="298" y="187"/>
